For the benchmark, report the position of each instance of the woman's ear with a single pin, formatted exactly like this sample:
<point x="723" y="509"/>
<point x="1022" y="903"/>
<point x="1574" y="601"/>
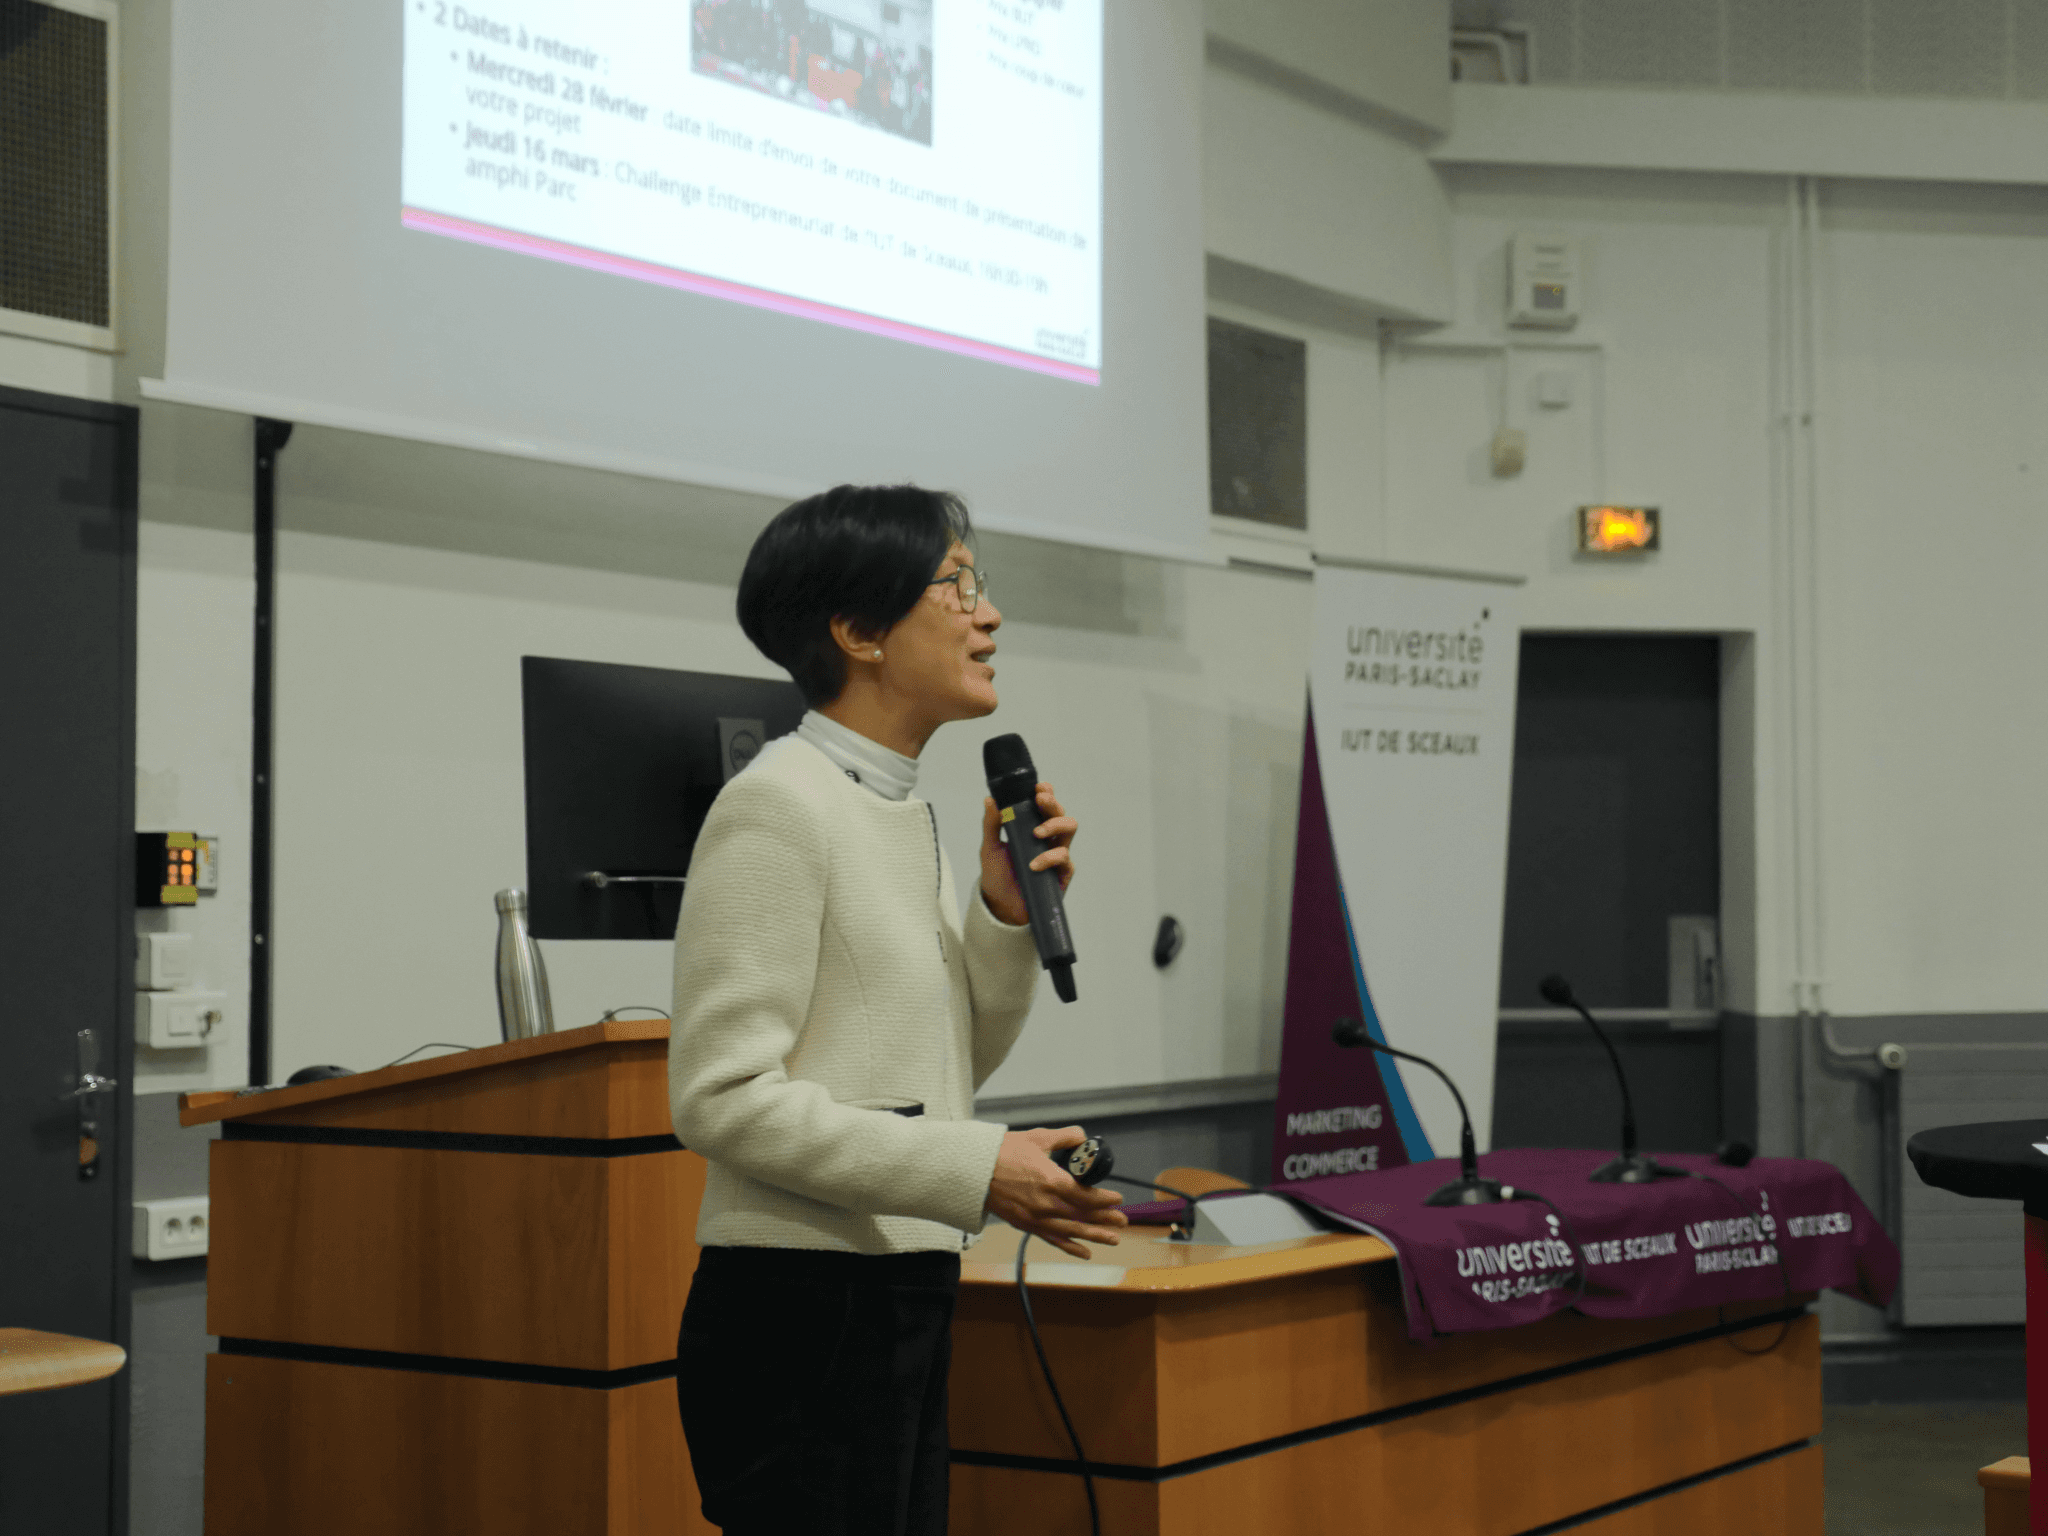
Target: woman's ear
<point x="854" y="642"/>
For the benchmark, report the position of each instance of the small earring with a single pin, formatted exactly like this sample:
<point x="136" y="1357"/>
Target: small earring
<point x="878" y="655"/>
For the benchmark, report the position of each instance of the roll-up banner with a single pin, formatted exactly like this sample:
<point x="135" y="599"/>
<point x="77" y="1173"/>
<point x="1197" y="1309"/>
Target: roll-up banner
<point x="1400" y="866"/>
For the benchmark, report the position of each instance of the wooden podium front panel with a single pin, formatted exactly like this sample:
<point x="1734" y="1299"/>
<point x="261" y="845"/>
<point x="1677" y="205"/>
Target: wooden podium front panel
<point x="338" y="1450"/>
<point x="1102" y="1345"/>
<point x="579" y="1262"/>
<point x="1157" y="1378"/>
<point x="1488" y="1465"/>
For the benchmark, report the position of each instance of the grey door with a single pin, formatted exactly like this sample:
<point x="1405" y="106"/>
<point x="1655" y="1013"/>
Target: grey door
<point x="67" y="785"/>
<point x="1614" y="830"/>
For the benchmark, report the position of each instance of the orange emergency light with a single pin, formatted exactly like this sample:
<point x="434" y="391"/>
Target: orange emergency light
<point x="1617" y="530"/>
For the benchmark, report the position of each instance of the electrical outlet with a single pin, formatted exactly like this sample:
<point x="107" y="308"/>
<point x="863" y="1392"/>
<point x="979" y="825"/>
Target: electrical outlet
<point x="173" y="1021"/>
<point x="170" y="1229"/>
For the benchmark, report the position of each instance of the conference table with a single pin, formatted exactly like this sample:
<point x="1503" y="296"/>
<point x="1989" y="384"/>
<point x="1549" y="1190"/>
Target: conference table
<point x="447" y="1294"/>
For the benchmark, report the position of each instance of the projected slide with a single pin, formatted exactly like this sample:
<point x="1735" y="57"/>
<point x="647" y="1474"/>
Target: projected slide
<point x="928" y="170"/>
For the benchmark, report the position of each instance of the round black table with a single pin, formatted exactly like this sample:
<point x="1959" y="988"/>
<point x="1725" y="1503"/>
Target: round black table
<point x="2006" y="1160"/>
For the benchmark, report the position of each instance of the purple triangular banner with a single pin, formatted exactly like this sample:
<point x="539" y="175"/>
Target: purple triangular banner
<point x="1335" y="1114"/>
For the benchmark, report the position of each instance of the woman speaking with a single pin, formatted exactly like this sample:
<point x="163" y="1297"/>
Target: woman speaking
<point x="834" y="1014"/>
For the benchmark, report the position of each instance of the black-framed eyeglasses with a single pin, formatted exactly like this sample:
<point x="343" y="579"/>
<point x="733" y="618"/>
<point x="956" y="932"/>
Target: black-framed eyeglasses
<point x="971" y="583"/>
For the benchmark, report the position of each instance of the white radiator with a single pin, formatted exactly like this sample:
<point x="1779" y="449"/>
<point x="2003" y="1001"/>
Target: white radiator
<point x="1963" y="1260"/>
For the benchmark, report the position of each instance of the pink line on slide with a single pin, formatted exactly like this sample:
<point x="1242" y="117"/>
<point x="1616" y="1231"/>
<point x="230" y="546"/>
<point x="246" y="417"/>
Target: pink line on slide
<point x="718" y="288"/>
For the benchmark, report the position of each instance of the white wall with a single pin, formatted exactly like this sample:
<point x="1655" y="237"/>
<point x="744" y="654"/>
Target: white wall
<point x="195" y="599"/>
<point x="1321" y="199"/>
<point x="1780" y="133"/>
<point x="1389" y="57"/>
<point x="1669" y="379"/>
<point x="1934" y="551"/>
<point x="1167" y="711"/>
<point x="1933" y="381"/>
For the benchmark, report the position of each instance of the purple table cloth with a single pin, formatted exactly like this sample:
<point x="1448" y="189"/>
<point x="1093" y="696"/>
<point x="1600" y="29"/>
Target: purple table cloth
<point x="1646" y="1250"/>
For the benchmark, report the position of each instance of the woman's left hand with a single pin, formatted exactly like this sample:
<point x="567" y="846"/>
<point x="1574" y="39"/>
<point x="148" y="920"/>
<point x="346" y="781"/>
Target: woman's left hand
<point x="1056" y="845"/>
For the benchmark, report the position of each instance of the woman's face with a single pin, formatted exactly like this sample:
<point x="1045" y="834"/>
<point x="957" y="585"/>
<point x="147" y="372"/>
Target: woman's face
<point x="937" y="655"/>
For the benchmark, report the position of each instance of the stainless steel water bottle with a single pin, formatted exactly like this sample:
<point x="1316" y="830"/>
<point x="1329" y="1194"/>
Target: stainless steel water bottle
<point x="524" y="1008"/>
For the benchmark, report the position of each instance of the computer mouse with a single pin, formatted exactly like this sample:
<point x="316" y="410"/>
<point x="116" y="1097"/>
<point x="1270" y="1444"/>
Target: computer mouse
<point x="316" y="1075"/>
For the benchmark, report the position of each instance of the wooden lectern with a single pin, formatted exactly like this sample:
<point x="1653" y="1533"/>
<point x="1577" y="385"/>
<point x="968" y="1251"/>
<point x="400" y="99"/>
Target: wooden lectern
<point x="1273" y="1390"/>
<point x="447" y="1296"/>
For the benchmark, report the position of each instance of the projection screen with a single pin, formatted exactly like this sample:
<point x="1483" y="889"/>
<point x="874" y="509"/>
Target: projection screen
<point x="764" y="244"/>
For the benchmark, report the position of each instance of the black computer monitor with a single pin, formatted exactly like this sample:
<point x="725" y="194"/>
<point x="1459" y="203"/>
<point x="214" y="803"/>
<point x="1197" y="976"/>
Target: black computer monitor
<point x="622" y="763"/>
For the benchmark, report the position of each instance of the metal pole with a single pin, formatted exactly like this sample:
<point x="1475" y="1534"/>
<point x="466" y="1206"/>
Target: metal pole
<point x="271" y="436"/>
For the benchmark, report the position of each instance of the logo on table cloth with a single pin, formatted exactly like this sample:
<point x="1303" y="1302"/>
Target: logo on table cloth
<point x="1740" y="1242"/>
<point x="1827" y="1224"/>
<point x="1626" y="1250"/>
<point x="1522" y="1269"/>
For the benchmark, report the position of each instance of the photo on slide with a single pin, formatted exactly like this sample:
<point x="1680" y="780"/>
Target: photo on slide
<point x="866" y="60"/>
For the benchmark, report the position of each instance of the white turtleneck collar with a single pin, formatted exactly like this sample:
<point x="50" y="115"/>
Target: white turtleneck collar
<point x="868" y="763"/>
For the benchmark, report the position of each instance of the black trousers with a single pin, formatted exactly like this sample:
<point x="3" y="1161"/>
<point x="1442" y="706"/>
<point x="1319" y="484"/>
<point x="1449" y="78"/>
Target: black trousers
<point x="813" y="1390"/>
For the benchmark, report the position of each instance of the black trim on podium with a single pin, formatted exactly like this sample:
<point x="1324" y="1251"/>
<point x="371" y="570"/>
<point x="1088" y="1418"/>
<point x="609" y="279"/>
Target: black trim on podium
<point x="447" y="1365"/>
<point x="453" y="1141"/>
<point x="1587" y="1517"/>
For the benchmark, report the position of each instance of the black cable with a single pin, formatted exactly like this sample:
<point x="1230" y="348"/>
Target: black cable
<point x="1178" y="1194"/>
<point x="1045" y="1365"/>
<point x="1038" y="1344"/>
<point x="445" y="1045"/>
<point x="1190" y="1201"/>
<point x="612" y="1013"/>
<point x="1571" y="1238"/>
<point x="1777" y="1252"/>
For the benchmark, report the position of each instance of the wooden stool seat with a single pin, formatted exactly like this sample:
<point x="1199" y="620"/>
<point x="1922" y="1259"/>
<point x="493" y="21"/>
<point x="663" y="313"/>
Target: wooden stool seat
<point x="2006" y="1485"/>
<point x="34" y="1361"/>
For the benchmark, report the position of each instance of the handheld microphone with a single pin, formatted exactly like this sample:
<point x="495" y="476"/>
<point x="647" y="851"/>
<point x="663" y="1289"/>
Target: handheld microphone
<point x="1630" y="1167"/>
<point x="1013" y="784"/>
<point x="1468" y="1188"/>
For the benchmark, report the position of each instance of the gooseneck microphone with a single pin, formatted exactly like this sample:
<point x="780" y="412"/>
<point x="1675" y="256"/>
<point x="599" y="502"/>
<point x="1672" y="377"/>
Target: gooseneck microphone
<point x="1468" y="1188"/>
<point x="1013" y="784"/>
<point x="1630" y="1167"/>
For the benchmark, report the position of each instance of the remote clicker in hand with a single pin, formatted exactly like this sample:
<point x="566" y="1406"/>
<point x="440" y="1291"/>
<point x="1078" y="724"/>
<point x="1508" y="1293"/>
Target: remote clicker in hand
<point x="1090" y="1163"/>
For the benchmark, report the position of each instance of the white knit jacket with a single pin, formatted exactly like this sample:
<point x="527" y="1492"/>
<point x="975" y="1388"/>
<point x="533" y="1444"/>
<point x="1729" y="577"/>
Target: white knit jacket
<point x="824" y="977"/>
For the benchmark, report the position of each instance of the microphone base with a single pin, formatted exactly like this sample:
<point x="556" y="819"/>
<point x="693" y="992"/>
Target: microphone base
<point x="1474" y="1191"/>
<point x="1626" y="1170"/>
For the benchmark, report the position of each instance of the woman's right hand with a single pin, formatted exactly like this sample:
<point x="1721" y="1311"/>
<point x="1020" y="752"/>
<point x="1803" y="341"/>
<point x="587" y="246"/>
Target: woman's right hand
<point x="1036" y="1195"/>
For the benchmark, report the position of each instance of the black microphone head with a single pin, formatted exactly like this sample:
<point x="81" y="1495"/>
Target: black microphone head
<point x="1350" y="1034"/>
<point x="1007" y="762"/>
<point x="1734" y="1154"/>
<point x="1004" y="755"/>
<point x="1557" y="991"/>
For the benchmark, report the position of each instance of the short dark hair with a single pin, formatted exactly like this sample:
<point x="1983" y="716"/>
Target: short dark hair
<point x="859" y="552"/>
